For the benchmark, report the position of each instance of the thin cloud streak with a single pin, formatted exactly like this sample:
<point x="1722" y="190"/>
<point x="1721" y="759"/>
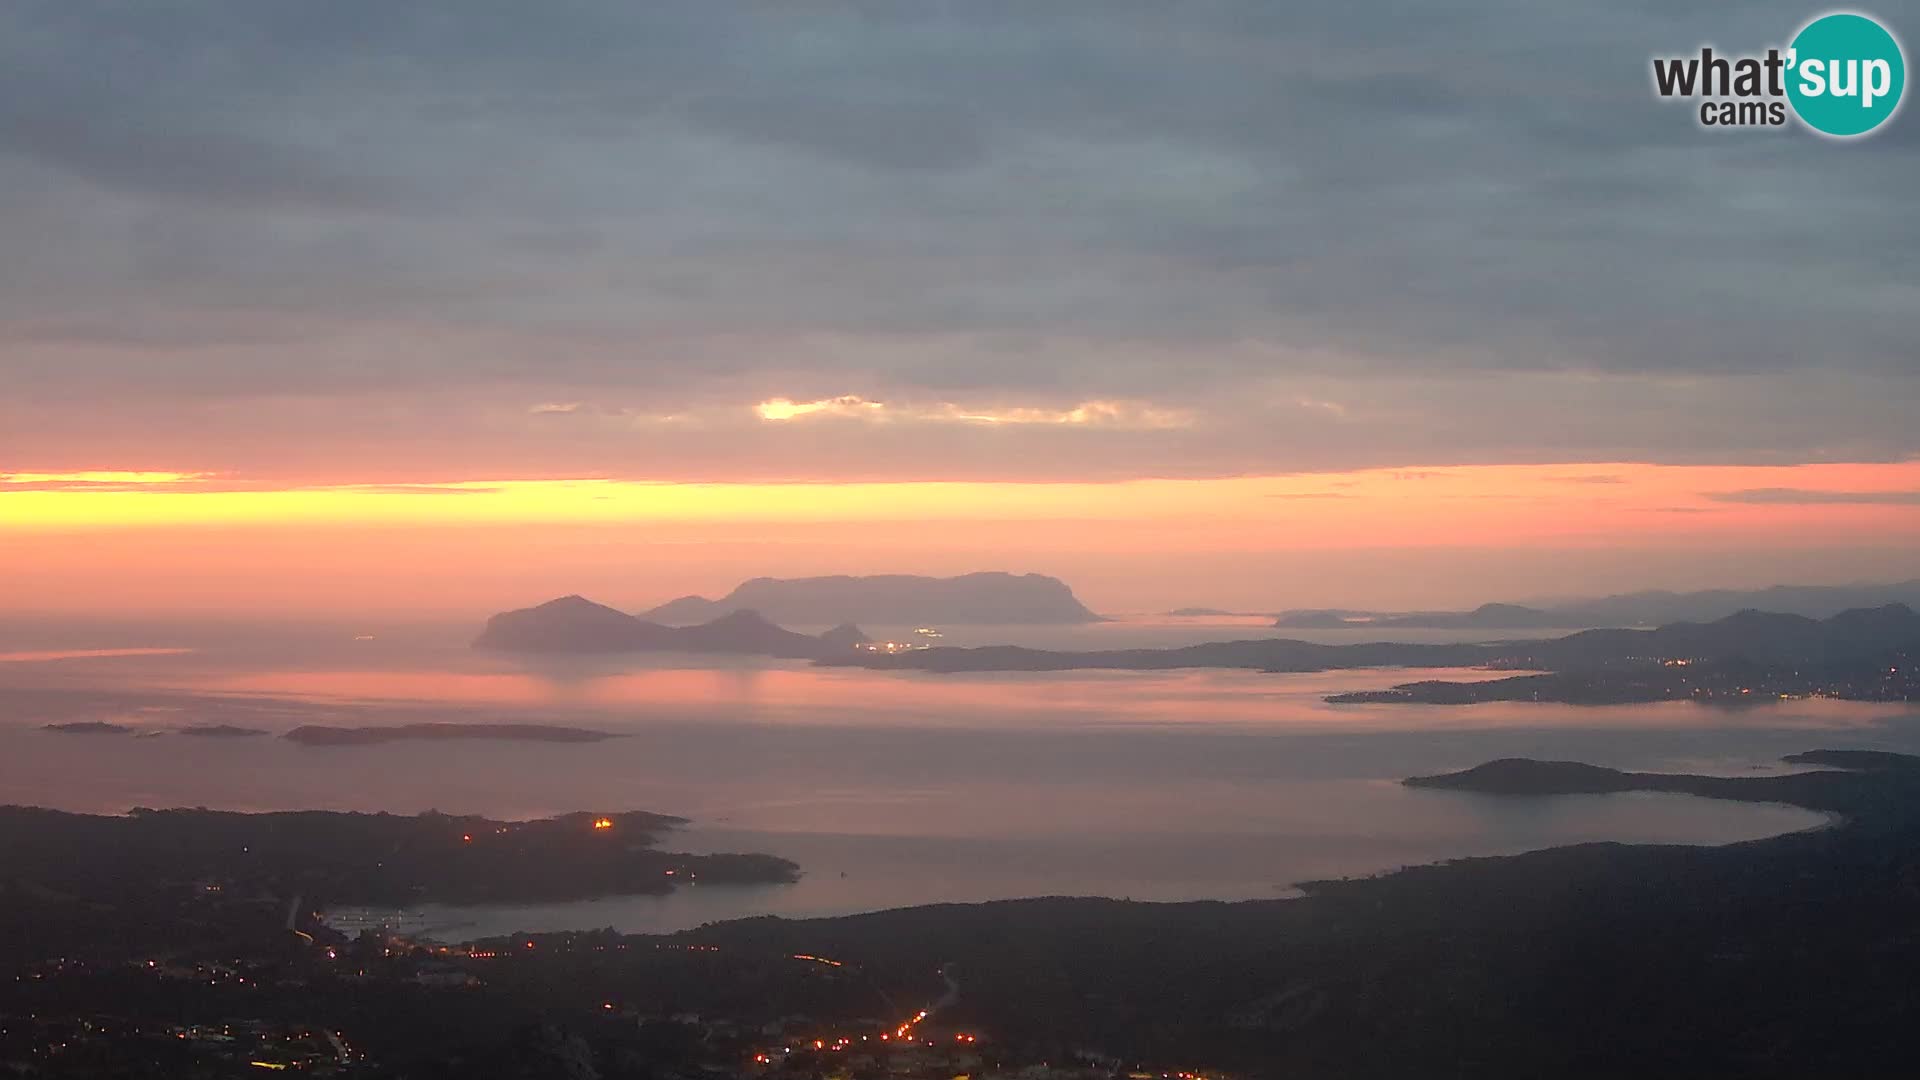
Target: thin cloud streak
<point x="1113" y="414"/>
<point x="1803" y="497"/>
<point x="97" y="480"/>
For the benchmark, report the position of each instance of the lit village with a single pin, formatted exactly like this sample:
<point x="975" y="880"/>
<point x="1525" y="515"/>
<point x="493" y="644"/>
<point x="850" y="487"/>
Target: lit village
<point x="260" y="988"/>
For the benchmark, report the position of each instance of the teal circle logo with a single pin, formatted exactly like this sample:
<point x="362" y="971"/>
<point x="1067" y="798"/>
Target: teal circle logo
<point x="1846" y="74"/>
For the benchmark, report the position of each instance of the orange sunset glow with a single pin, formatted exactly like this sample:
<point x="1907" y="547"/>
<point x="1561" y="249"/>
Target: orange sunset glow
<point x="98" y="535"/>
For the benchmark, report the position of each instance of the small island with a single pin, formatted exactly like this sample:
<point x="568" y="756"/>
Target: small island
<point x="88" y="727"/>
<point x="1867" y="783"/>
<point x="1484" y="617"/>
<point x="1860" y="760"/>
<point x="105" y="727"/>
<point x="324" y="735"/>
<point x="223" y="731"/>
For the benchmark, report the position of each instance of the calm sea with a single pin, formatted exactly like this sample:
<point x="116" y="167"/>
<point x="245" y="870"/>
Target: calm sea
<point x="889" y="789"/>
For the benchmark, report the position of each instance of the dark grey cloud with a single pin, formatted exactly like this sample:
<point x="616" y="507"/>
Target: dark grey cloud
<point x="1468" y="225"/>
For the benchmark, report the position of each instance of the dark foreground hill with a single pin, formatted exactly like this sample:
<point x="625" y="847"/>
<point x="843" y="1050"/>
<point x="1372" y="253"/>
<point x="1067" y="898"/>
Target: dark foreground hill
<point x="1787" y="957"/>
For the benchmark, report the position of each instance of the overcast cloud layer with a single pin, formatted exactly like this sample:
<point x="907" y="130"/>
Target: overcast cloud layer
<point x="372" y="241"/>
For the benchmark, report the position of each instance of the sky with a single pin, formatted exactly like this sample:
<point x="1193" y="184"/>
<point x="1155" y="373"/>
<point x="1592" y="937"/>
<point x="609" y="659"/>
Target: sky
<point x="374" y="307"/>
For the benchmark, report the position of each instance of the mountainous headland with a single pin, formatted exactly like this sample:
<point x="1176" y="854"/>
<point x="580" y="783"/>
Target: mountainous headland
<point x="890" y="600"/>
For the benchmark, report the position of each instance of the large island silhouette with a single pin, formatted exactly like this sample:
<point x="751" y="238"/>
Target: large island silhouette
<point x="574" y="624"/>
<point x="983" y="598"/>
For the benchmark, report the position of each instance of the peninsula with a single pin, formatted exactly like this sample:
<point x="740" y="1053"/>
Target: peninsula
<point x="353" y="858"/>
<point x="1865" y="654"/>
